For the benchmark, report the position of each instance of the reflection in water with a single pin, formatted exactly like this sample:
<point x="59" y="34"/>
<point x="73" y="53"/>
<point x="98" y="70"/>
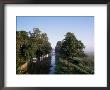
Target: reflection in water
<point x="52" y="69"/>
<point x="45" y="66"/>
<point x="40" y="67"/>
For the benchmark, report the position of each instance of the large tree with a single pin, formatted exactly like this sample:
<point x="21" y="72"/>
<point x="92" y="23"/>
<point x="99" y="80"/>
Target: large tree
<point x="40" y="43"/>
<point x="30" y="45"/>
<point x="71" y="47"/>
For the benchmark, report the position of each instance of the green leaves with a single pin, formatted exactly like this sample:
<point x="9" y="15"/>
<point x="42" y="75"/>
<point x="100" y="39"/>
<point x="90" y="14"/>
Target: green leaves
<point x="30" y="45"/>
<point x="71" y="57"/>
<point x="70" y="46"/>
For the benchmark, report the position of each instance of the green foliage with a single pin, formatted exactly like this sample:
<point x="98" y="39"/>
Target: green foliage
<point x="30" y="45"/>
<point x="71" y="47"/>
<point x="67" y="67"/>
<point x="71" y="58"/>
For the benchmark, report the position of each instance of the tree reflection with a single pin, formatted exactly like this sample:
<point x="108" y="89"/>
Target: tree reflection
<point x="40" y="66"/>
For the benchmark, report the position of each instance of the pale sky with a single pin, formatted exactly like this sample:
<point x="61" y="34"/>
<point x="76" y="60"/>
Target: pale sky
<point x="57" y="26"/>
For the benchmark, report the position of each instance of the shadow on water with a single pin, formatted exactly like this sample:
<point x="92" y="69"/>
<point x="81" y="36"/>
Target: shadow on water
<point x="45" y="66"/>
<point x="40" y="67"/>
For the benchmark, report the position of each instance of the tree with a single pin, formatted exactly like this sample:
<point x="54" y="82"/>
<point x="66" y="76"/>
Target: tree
<point x="68" y="52"/>
<point x="58" y="46"/>
<point x="71" y="47"/>
<point x="21" y="47"/>
<point x="40" y="43"/>
<point x="21" y="43"/>
<point x="30" y="45"/>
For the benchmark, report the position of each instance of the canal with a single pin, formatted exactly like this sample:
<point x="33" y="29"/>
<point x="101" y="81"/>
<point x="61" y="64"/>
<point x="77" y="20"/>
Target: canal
<point x="45" y="66"/>
<point x="53" y="65"/>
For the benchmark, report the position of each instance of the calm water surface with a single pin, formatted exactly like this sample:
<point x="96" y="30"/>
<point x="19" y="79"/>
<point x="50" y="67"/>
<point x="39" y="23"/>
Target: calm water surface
<point x="46" y="66"/>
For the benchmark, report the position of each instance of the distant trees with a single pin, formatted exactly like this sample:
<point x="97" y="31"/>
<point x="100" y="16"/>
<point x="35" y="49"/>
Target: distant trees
<point x="30" y="45"/>
<point x="58" y="46"/>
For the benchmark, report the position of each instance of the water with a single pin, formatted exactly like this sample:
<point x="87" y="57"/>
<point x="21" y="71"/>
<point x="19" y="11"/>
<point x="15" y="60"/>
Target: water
<point x="52" y="69"/>
<point x="45" y="66"/>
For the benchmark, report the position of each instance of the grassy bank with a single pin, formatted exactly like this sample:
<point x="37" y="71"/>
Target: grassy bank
<point x="75" y="66"/>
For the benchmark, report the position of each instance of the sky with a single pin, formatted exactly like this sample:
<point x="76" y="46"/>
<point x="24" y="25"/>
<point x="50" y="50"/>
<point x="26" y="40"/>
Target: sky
<point x="57" y="26"/>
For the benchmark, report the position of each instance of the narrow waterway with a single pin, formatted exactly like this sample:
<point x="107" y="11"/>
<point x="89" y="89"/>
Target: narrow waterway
<point x="45" y="66"/>
<point x="52" y="68"/>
